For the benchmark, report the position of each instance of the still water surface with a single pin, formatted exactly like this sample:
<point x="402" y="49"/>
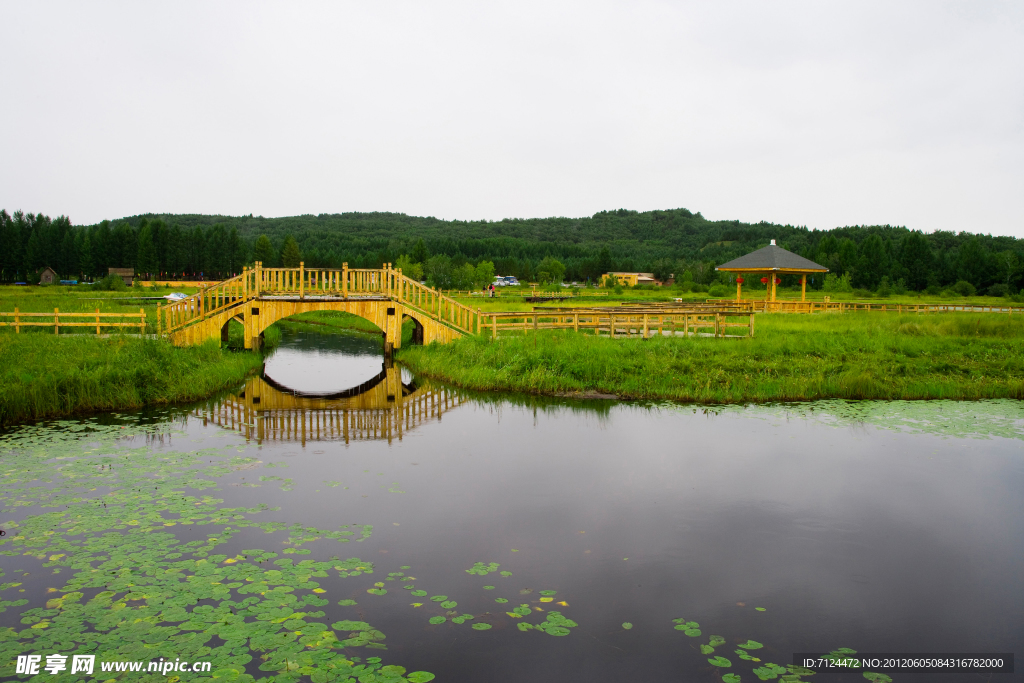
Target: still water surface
<point x="881" y="527"/>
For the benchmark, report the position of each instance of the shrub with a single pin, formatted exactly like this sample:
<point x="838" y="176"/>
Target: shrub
<point x="863" y="293"/>
<point x="998" y="290"/>
<point x="838" y="283"/>
<point x="947" y="294"/>
<point x="111" y="283"/>
<point x="884" y="288"/>
<point x="719" y="290"/>
<point x="933" y="289"/>
<point x="964" y="288"/>
<point x="900" y="288"/>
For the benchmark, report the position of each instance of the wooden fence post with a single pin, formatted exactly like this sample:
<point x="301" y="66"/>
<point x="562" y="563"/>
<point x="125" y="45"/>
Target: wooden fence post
<point x="17" y="321"/>
<point x="142" y="322"/>
<point x="56" y="321"/>
<point x="302" y="279"/>
<point x="97" y="322"/>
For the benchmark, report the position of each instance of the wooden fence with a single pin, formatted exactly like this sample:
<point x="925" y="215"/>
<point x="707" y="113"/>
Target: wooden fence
<point x="762" y="306"/>
<point x="19" y="319"/>
<point x="621" y="323"/>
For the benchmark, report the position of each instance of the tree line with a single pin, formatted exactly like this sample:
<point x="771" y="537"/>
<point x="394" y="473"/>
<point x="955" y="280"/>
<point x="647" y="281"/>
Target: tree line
<point x="451" y="253"/>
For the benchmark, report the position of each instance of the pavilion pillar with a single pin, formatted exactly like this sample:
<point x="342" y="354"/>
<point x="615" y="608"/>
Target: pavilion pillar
<point x="803" y="287"/>
<point x="772" y="276"/>
<point x="739" y="289"/>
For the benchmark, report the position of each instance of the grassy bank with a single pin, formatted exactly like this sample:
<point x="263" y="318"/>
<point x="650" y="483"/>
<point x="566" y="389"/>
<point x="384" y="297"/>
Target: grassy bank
<point x="793" y="357"/>
<point x="43" y="376"/>
<point x="331" y="320"/>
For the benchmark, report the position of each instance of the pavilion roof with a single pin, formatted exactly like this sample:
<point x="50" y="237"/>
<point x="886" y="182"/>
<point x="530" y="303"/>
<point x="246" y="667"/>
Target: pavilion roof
<point x="772" y="257"/>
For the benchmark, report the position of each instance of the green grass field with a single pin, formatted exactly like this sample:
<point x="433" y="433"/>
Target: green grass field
<point x="46" y="376"/>
<point x="792" y="357"/>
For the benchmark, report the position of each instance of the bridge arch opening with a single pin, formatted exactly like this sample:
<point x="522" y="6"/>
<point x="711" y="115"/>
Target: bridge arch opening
<point x="417" y="329"/>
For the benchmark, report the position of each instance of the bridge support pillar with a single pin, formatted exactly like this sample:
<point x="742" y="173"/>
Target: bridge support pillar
<point x="393" y="325"/>
<point x="249" y="321"/>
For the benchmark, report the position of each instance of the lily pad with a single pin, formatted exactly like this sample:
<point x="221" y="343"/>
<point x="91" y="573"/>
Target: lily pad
<point x="438" y="619"/>
<point x="480" y="626"/>
<point x="719" y="661"/>
<point x="377" y="591"/>
<point x="450" y="604"/>
<point x="715" y="641"/>
<point x="419" y="594"/>
<point x="877" y="677"/>
<point x="751" y="645"/>
<point x="548" y="592"/>
<point x="769" y="671"/>
<point x="488" y="588"/>
<point x="524" y="626"/>
<point x="730" y="678"/>
<point x="420" y="677"/>
<point x="706" y="649"/>
<point x="626" y="625"/>
<point x="501" y="600"/>
<point x="438" y="598"/>
<point x="346" y="603"/>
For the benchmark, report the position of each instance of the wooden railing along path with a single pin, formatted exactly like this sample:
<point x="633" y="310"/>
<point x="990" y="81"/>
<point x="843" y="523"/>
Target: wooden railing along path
<point x="762" y="306"/>
<point x="612" y="322"/>
<point x="119" y="321"/>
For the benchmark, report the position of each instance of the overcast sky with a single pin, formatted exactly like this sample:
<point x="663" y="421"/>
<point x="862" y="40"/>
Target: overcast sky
<point x="810" y="113"/>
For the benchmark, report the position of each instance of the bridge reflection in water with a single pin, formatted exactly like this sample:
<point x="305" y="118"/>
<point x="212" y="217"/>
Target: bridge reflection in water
<point x="381" y="408"/>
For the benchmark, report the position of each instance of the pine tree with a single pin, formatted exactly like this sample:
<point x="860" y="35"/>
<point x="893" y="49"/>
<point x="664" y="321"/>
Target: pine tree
<point x="85" y="262"/>
<point x="419" y="252"/>
<point x="290" y="256"/>
<point x="146" y="259"/>
<point x="263" y="251"/>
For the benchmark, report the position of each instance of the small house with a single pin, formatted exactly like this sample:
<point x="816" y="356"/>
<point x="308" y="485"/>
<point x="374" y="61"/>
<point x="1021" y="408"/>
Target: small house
<point x="126" y="274"/>
<point x="48" y="276"/>
<point x="632" y="279"/>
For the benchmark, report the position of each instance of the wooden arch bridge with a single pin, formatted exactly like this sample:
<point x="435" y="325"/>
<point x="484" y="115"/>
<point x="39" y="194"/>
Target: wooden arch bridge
<point x="383" y="408"/>
<point x="260" y="296"/>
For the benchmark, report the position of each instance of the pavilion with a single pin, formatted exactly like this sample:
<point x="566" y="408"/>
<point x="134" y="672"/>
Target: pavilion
<point x="773" y="261"/>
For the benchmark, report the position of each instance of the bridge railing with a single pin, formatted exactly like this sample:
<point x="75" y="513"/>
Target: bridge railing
<point x="433" y="303"/>
<point x="204" y="303"/>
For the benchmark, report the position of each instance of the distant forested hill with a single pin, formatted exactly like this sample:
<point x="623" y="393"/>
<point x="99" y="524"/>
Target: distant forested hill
<point x="674" y="240"/>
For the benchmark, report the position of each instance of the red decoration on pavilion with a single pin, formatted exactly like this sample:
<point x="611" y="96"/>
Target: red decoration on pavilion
<point x="739" y="280"/>
<point x="764" y="280"/>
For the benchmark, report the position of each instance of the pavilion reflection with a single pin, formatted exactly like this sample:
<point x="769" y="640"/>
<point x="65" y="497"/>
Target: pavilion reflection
<point x="382" y="408"/>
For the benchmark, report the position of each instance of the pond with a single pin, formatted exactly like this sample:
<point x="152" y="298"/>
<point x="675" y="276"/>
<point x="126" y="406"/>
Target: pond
<point x="298" y="529"/>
